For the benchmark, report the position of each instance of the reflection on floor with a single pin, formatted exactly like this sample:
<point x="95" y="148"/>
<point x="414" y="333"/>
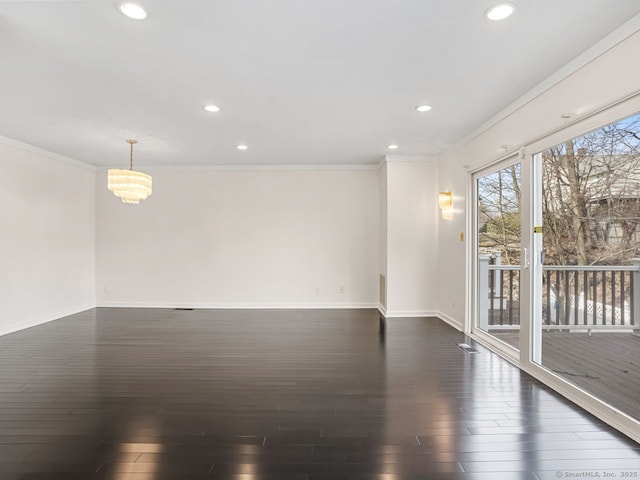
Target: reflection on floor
<point x="156" y="394"/>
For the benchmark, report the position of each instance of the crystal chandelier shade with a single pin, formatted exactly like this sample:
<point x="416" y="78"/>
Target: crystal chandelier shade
<point x="129" y="185"/>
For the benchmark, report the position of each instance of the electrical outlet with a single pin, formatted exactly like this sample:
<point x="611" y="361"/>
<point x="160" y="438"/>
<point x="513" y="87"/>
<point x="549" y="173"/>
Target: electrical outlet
<point x="318" y="290"/>
<point x="106" y="289"/>
<point x="341" y="289"/>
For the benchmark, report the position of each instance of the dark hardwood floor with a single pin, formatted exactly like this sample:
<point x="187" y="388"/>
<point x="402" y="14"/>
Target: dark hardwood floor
<point x="296" y="395"/>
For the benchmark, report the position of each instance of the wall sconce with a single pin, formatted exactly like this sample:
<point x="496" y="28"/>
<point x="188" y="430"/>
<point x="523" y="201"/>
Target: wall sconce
<point x="445" y="202"/>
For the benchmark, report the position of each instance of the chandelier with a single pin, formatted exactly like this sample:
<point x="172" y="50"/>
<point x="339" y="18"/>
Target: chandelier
<point x="128" y="185"/>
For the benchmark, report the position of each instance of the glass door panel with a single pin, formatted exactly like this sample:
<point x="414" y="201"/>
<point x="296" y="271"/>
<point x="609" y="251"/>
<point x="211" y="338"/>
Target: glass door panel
<point x="587" y="303"/>
<point x="498" y="250"/>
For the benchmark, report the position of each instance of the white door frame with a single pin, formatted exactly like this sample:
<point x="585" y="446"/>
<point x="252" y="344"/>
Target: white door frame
<point x="509" y="351"/>
<point x="528" y="357"/>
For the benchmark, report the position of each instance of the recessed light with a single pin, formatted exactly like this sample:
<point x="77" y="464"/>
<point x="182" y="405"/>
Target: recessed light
<point x="423" y="108"/>
<point x="133" y="10"/>
<point x="393" y="146"/>
<point x="500" y="11"/>
<point x="241" y="147"/>
<point x="212" y="108"/>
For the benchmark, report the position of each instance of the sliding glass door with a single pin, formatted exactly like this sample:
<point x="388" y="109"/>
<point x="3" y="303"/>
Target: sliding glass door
<point x="587" y="309"/>
<point x="498" y="195"/>
<point x="556" y="261"/>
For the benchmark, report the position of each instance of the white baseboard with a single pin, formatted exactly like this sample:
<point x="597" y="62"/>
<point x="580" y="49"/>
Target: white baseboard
<point x="241" y="306"/>
<point x="450" y="320"/>
<point x="409" y="313"/>
<point x="34" y="322"/>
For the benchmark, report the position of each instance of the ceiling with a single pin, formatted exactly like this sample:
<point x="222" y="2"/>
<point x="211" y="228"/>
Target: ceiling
<point x="301" y="82"/>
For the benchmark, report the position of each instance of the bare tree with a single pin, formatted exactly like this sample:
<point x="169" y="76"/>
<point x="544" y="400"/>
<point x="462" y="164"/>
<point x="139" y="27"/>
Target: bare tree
<point x="499" y="213"/>
<point x="591" y="197"/>
<point x="590" y="200"/>
<point x="591" y="203"/>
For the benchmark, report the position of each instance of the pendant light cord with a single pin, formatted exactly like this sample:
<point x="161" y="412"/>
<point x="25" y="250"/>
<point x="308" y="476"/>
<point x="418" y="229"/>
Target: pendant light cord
<point x="131" y="142"/>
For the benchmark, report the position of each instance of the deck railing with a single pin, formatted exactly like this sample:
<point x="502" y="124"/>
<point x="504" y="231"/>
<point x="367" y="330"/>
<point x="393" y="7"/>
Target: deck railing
<point x="576" y="298"/>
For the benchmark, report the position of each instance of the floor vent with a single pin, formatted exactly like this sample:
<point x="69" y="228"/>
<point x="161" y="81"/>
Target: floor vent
<point x="467" y="348"/>
<point x="184" y="309"/>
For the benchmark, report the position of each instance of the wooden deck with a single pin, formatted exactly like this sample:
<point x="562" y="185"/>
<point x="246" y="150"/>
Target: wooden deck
<point x="607" y="365"/>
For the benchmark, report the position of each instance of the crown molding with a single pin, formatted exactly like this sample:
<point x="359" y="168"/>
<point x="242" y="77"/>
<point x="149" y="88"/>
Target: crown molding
<point x="10" y="142"/>
<point x="616" y="37"/>
<point x="241" y="168"/>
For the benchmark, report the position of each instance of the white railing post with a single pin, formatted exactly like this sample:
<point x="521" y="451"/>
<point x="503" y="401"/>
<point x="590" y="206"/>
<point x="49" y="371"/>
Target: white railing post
<point x="483" y="292"/>
<point x="497" y="287"/>
<point x="635" y="308"/>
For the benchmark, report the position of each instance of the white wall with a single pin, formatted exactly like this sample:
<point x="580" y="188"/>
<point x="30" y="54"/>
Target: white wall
<point x="412" y="236"/>
<point x="600" y="82"/>
<point x="47" y="267"/>
<point x="265" y="238"/>
<point x="451" y="267"/>
<point x="271" y="238"/>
